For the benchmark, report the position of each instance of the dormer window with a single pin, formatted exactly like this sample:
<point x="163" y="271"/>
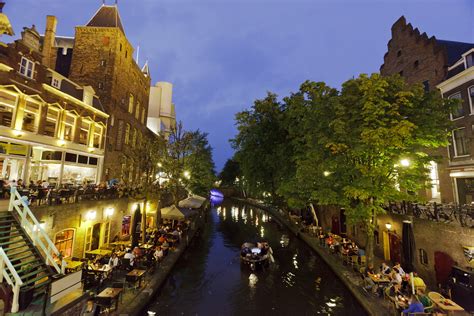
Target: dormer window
<point x="470" y="60"/>
<point x="87" y="99"/>
<point x="27" y="67"/>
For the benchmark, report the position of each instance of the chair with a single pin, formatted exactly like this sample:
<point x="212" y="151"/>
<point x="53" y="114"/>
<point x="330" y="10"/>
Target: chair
<point x="119" y="285"/>
<point x="353" y="260"/>
<point x="104" y="303"/>
<point x="363" y="261"/>
<point x="435" y="296"/>
<point x="125" y="264"/>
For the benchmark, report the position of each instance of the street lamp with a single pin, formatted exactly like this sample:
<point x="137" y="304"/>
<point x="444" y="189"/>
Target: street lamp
<point x="388" y="226"/>
<point x="405" y="162"/>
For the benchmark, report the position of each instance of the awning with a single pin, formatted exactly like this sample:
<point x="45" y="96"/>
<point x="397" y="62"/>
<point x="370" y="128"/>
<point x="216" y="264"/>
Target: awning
<point x="172" y="212"/>
<point x="194" y="201"/>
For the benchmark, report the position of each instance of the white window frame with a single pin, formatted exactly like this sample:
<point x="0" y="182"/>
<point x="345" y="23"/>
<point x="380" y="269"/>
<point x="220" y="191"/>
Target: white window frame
<point x="25" y="68"/>
<point x="454" y="143"/>
<point x="56" y="82"/>
<point x="73" y="238"/>
<point x="471" y="98"/>
<point x="460" y="98"/>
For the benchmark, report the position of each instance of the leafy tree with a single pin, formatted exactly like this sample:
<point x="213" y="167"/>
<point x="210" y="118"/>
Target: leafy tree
<point x="261" y="148"/>
<point x="230" y="172"/>
<point x="358" y="140"/>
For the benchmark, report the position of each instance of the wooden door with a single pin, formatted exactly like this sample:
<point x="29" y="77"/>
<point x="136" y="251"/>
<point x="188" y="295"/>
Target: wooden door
<point x="443" y="266"/>
<point x="395" y="247"/>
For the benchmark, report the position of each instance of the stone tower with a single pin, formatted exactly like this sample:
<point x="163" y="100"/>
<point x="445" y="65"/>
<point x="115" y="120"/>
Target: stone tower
<point x="102" y="59"/>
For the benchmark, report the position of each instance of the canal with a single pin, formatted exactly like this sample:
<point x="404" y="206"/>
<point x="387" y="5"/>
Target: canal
<point x="209" y="278"/>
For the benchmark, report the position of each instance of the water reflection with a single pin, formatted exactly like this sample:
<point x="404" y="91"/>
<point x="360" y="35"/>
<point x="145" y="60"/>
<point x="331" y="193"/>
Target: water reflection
<point x="210" y="280"/>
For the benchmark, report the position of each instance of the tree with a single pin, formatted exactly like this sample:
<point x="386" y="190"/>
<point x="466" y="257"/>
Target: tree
<point x="361" y="135"/>
<point x="146" y="155"/>
<point x="230" y="172"/>
<point x="261" y="147"/>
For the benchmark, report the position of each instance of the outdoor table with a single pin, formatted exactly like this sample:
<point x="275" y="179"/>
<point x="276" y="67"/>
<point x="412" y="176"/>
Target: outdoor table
<point x="447" y="305"/>
<point x="112" y="294"/>
<point x="73" y="266"/>
<point x="146" y="246"/>
<point x="135" y="275"/>
<point x="379" y="279"/>
<point x="102" y="252"/>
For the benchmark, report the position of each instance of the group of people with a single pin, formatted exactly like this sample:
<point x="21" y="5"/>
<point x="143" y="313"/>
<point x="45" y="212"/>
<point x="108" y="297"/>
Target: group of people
<point x="399" y="287"/>
<point x="344" y="246"/>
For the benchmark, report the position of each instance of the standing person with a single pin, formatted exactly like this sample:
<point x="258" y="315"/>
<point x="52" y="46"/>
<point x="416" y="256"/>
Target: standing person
<point x="414" y="307"/>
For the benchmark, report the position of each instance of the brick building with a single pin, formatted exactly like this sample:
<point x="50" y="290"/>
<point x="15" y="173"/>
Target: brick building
<point x="425" y="60"/>
<point x="100" y="56"/>
<point x="51" y="128"/>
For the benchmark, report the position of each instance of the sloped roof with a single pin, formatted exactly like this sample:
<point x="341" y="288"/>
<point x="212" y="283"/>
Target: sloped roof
<point x="455" y="49"/>
<point x="106" y="16"/>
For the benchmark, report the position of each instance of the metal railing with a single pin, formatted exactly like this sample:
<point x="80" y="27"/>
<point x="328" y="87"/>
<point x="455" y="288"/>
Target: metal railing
<point x="14" y="281"/>
<point x="33" y="228"/>
<point x="462" y="215"/>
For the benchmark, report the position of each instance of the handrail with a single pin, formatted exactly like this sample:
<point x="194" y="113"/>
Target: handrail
<point x="35" y="230"/>
<point x="5" y="262"/>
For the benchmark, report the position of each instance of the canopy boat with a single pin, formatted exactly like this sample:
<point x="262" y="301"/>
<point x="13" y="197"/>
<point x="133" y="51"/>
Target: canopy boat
<point x="256" y="255"/>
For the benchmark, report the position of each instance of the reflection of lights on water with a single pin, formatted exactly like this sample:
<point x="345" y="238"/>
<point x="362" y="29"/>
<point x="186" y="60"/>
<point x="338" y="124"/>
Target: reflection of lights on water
<point x="224" y="212"/>
<point x="256" y="221"/>
<point x="288" y="279"/>
<point x="251" y="213"/>
<point x="235" y="213"/>
<point x="332" y="302"/>
<point x="284" y="241"/>
<point x="295" y="262"/>
<point x="253" y="279"/>
<point x="244" y="216"/>
<point x="262" y="231"/>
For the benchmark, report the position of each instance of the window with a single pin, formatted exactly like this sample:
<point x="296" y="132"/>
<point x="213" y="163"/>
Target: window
<point x="88" y="243"/>
<point x="423" y="256"/>
<point x="7" y="106"/>
<point x="461" y="143"/>
<point x="69" y="124"/>
<point x="137" y="111"/>
<point x="134" y="137"/>
<point x="131" y="100"/>
<point x="470" y="60"/>
<point x="434" y="177"/>
<point x="101" y="85"/>
<point x="31" y="117"/>
<point x="82" y="159"/>
<point x="51" y="155"/>
<point x="87" y="98"/>
<point x="84" y="132"/>
<point x="399" y="53"/>
<point x="401" y="73"/>
<point x="126" y="53"/>
<point x="458" y="112"/>
<point x="112" y="120"/>
<point x="64" y="241"/>
<point x="416" y="64"/>
<point x="50" y="124"/>
<point x="127" y="134"/>
<point x="55" y="82"/>
<point x="103" y="62"/>
<point x="70" y="157"/>
<point x="93" y="161"/>
<point x="27" y="67"/>
<point x="97" y="135"/>
<point x="120" y="46"/>
<point x="143" y="116"/>
<point x="470" y="92"/>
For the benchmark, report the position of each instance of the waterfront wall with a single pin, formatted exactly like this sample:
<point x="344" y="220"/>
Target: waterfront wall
<point x="435" y="242"/>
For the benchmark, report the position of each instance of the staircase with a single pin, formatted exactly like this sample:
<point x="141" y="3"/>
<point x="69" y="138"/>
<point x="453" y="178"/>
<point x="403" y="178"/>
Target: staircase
<point x="28" y="257"/>
<point x="25" y="259"/>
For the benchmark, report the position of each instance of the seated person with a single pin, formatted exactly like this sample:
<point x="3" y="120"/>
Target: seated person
<point x="137" y="252"/>
<point x="385" y="269"/>
<point x="414" y="307"/>
<point x="418" y="282"/>
<point x="345" y="249"/>
<point x="396" y="277"/>
<point x="158" y="255"/>
<point x="423" y="298"/>
<point x="369" y="284"/>
<point x="394" y="291"/>
<point x="113" y="261"/>
<point x="329" y="241"/>
<point x="131" y="256"/>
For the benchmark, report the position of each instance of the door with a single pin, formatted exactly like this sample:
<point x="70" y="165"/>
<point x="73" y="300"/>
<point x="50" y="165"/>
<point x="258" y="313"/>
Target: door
<point x="343" y="221"/>
<point x="395" y="247"/>
<point x="335" y="225"/>
<point x="95" y="243"/>
<point x="443" y="266"/>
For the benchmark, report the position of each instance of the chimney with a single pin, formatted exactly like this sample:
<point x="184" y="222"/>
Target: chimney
<point x="49" y="52"/>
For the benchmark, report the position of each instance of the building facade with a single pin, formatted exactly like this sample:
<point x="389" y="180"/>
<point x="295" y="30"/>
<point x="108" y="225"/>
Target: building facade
<point x="161" y="110"/>
<point x="460" y="85"/>
<point x="51" y="128"/>
<point x="100" y="56"/>
<point x="424" y="60"/>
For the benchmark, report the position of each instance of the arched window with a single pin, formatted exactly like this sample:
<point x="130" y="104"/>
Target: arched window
<point x="64" y="241"/>
<point x="423" y="256"/>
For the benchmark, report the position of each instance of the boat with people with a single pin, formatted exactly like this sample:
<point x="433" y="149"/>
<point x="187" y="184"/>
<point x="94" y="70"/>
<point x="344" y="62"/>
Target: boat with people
<point x="256" y="255"/>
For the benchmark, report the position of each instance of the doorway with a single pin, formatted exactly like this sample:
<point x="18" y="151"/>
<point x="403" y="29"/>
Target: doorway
<point x="443" y="266"/>
<point x="95" y="243"/>
<point x="335" y="229"/>
<point x="395" y="247"/>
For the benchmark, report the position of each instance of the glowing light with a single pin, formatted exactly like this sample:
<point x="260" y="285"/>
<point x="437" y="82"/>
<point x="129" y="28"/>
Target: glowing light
<point x="61" y="142"/>
<point x="405" y="162"/>
<point x="187" y="174"/>
<point x="18" y="133"/>
<point x="388" y="226"/>
<point x="91" y="215"/>
<point x="262" y="232"/>
<point x="327" y="173"/>
<point x="109" y="211"/>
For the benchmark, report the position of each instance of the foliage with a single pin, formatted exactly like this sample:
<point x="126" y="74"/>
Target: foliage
<point x="230" y="173"/>
<point x="344" y="148"/>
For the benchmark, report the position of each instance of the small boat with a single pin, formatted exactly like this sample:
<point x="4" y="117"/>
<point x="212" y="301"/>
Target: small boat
<point x="256" y="256"/>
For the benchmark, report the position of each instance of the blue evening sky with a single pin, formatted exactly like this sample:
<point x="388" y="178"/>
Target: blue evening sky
<point x="221" y="55"/>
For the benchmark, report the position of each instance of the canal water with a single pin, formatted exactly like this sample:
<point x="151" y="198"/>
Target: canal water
<point x="210" y="280"/>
